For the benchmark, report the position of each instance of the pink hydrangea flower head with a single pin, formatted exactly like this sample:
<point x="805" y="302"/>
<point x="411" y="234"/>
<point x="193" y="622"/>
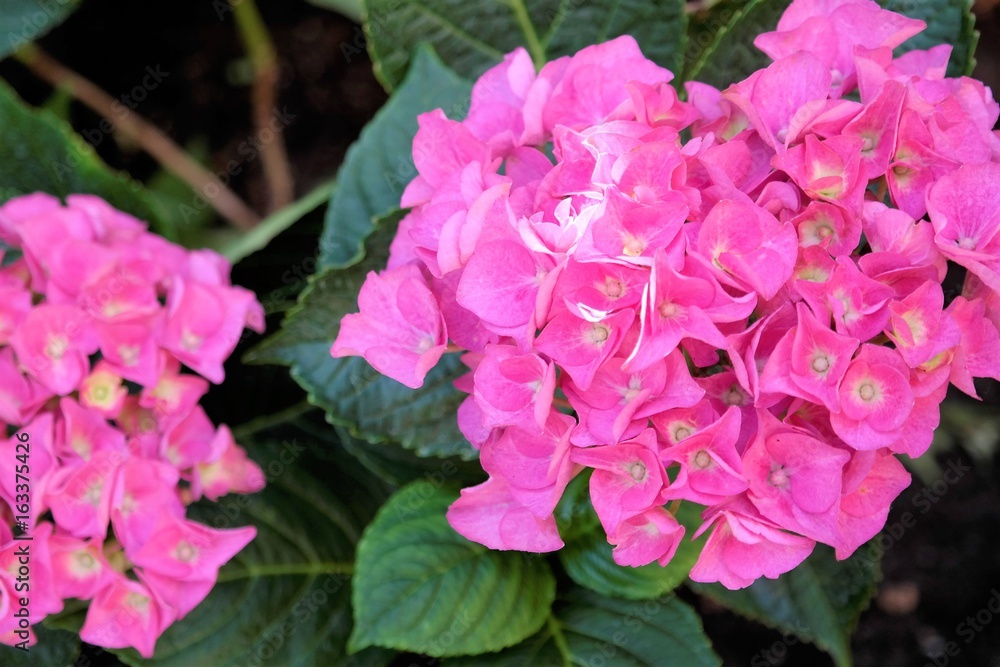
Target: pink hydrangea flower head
<point x="736" y="301"/>
<point x="97" y="317"/>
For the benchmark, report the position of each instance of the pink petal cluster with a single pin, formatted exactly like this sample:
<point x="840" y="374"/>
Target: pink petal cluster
<point x="97" y="318"/>
<point x="734" y="300"/>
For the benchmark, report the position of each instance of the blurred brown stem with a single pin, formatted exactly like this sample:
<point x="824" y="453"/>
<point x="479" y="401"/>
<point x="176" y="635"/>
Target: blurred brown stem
<point x="264" y="93"/>
<point x="142" y="132"/>
<point x="696" y="6"/>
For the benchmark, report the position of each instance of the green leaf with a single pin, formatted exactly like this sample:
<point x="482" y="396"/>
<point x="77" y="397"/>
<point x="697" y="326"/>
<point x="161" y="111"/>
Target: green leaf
<point x="420" y="586"/>
<point x="39" y="152"/>
<point x="352" y="393"/>
<point x="574" y="514"/>
<point x="588" y="629"/>
<point x="352" y="9"/>
<point x="397" y="466"/>
<point x="24" y="21"/>
<point x="284" y="601"/>
<point x="471" y="37"/>
<point x="379" y="164"/>
<point x="948" y="22"/>
<point x="588" y="562"/>
<point x="55" y="647"/>
<point x="59" y="103"/>
<point x="731" y="56"/>
<point x="819" y="601"/>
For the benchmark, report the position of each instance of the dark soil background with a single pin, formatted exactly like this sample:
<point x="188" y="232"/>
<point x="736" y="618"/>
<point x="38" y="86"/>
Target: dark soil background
<point x="939" y="569"/>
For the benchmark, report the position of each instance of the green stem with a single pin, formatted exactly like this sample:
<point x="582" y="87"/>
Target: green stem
<point x="332" y="567"/>
<point x="560" y="640"/>
<point x="254" y="33"/>
<point x="142" y="132"/>
<point x="697" y="6"/>
<point x="277" y="222"/>
<point x="245" y="430"/>
<point x="264" y="94"/>
<point x="534" y="44"/>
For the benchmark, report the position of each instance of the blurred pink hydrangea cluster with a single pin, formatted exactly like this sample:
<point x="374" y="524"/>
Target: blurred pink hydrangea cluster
<point x="734" y="300"/>
<point x="99" y="425"/>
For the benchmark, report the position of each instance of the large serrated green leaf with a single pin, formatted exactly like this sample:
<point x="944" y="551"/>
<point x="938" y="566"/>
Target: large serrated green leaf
<point x="352" y="393"/>
<point x="54" y="647"/>
<point x="380" y="164"/>
<point x="588" y="629"/>
<point x="471" y="37"/>
<point x="284" y="601"/>
<point x="588" y="562"/>
<point x="41" y="153"/>
<point x="948" y="22"/>
<point x="819" y="601"/>
<point x="24" y="21"/>
<point x="420" y="586"/>
<point x="732" y="57"/>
